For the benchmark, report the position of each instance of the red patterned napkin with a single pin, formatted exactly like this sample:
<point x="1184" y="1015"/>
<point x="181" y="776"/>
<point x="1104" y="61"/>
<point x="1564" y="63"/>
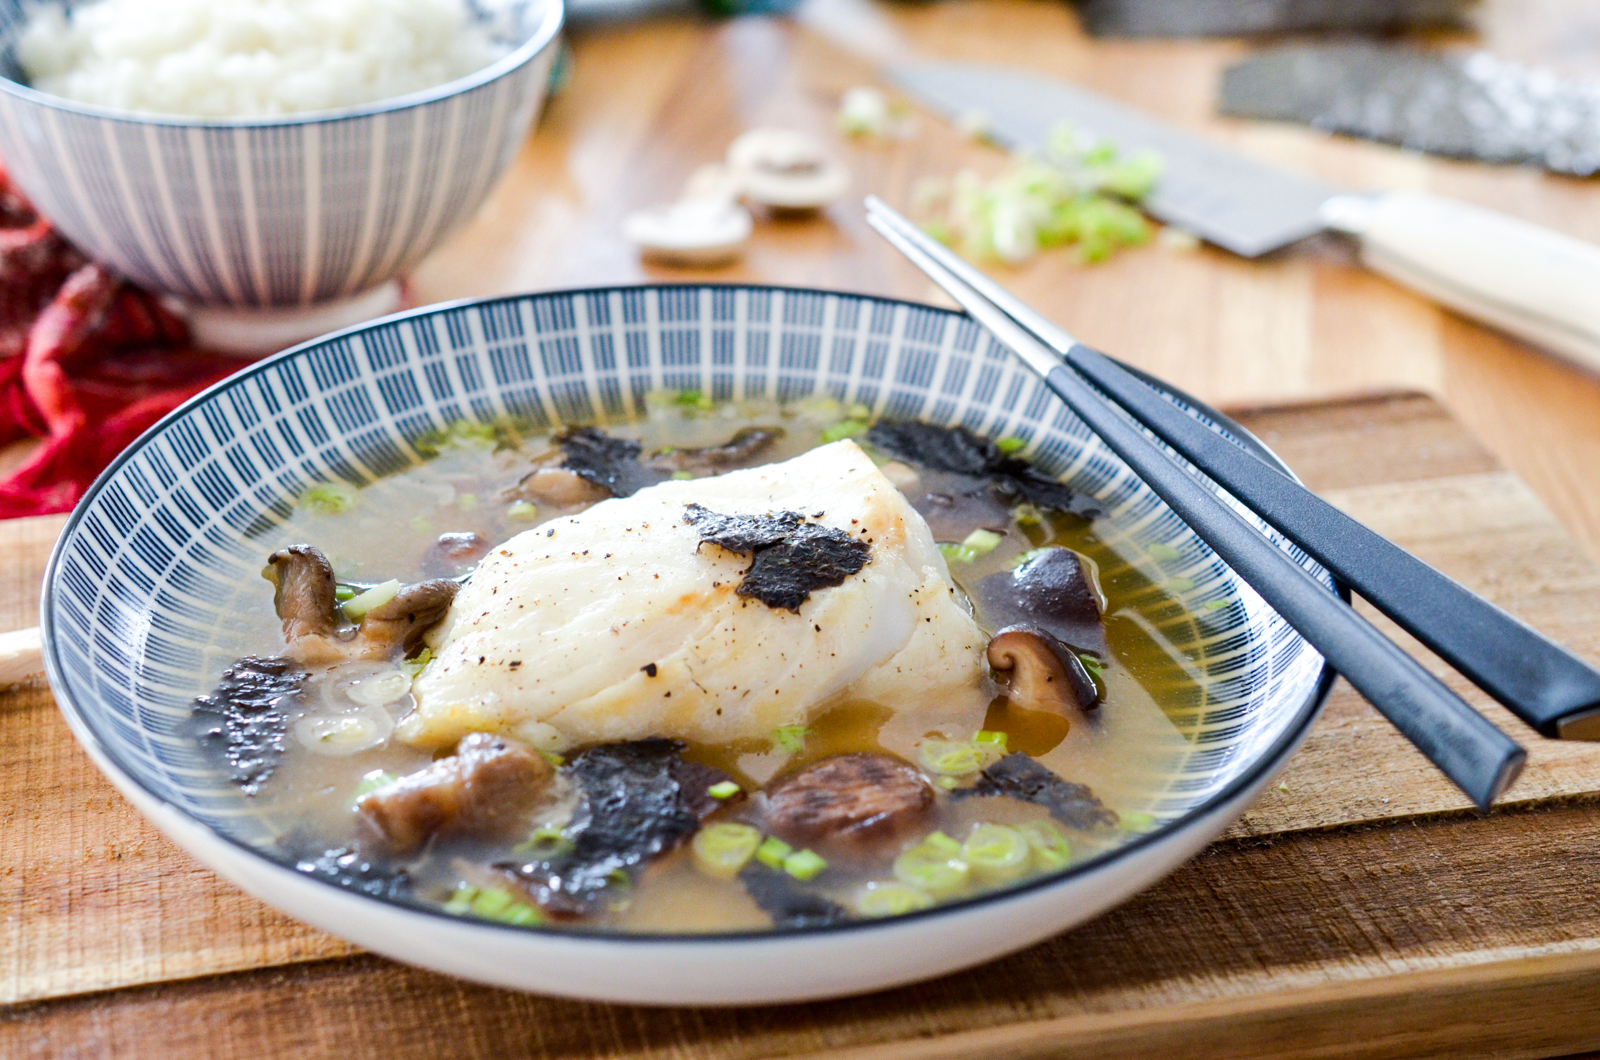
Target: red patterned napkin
<point x="87" y="362"/>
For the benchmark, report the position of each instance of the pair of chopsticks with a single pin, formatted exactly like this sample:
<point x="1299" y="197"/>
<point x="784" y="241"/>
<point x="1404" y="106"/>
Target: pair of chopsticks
<point x="1546" y="686"/>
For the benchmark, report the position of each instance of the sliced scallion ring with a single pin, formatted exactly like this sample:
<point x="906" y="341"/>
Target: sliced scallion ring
<point x="996" y="853"/>
<point x="891" y="898"/>
<point x="1050" y="848"/>
<point x="721" y="850"/>
<point x="932" y="870"/>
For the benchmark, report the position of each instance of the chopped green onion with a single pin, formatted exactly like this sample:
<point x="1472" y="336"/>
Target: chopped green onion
<point x="1032" y="554"/>
<point x="413" y="667"/>
<point x="693" y="399"/>
<point x="523" y="511"/>
<point x="1011" y="445"/>
<point x="1164" y="553"/>
<point x="957" y="553"/>
<point x="1179" y="585"/>
<point x="371" y="782"/>
<point x="1050" y="848"/>
<point x="891" y="898"/>
<point x="556" y="760"/>
<point x="989" y="736"/>
<point x="721" y="850"/>
<point x="329" y="498"/>
<point x="858" y="411"/>
<point x="356" y="609"/>
<point x="982" y="542"/>
<point x="950" y="758"/>
<point x="1134" y="821"/>
<point x="1216" y="605"/>
<point x="791" y="738"/>
<point x="804" y="865"/>
<point x="948" y="783"/>
<point x="846" y="429"/>
<point x="467" y="502"/>
<point x="492" y="903"/>
<point x="941" y="843"/>
<point x="996" y="854"/>
<point x="1027" y="514"/>
<point x="682" y="476"/>
<point x="344" y="592"/>
<point x="725" y="789"/>
<point x="421" y="524"/>
<point x="546" y="841"/>
<point x="932" y="871"/>
<point x="772" y="851"/>
<point x="1093" y="664"/>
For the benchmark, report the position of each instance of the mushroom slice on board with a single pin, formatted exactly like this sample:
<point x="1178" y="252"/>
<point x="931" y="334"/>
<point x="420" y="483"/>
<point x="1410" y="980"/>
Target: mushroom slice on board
<point x="786" y="170"/>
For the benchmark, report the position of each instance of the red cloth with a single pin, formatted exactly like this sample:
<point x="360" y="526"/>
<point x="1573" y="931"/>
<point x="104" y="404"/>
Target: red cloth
<point x="87" y="362"/>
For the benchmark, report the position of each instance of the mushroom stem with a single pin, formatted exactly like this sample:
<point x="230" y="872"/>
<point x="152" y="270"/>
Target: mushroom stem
<point x="1041" y="673"/>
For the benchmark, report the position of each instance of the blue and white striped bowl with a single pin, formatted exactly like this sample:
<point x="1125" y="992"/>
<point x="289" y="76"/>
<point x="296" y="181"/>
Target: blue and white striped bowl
<point x="147" y="586"/>
<point x="275" y="211"/>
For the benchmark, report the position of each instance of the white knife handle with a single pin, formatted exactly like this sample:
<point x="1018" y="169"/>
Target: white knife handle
<point x="20" y="659"/>
<point x="1530" y="281"/>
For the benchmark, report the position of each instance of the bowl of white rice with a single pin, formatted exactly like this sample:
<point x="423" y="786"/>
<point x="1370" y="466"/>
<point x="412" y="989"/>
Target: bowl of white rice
<point x="270" y="164"/>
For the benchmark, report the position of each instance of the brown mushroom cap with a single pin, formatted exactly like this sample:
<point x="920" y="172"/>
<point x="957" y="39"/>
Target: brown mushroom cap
<point x="305" y="594"/>
<point x="743" y="447"/>
<point x="1042" y="673"/>
<point x="558" y="486"/>
<point x="307" y="603"/>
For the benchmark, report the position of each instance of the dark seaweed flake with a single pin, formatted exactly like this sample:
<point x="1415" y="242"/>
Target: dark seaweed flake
<point x="607" y="461"/>
<point x="249" y="702"/>
<point x="957" y="450"/>
<point x="636" y="803"/>
<point x="792" y="558"/>
<point x="789" y="904"/>
<point x="1020" y="777"/>
<point x="349" y="868"/>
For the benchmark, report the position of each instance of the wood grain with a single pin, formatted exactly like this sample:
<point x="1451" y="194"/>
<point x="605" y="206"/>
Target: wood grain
<point x="1451" y="937"/>
<point x="96" y="899"/>
<point x="1358" y="910"/>
<point x="649" y="103"/>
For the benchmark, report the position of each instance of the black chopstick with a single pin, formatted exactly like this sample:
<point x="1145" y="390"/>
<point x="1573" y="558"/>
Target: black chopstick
<point x="1535" y="678"/>
<point x="1480" y="759"/>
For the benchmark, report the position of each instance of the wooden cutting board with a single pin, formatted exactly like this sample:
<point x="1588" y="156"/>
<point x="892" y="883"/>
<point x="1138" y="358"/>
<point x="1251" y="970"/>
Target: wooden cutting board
<point x="1359" y="909"/>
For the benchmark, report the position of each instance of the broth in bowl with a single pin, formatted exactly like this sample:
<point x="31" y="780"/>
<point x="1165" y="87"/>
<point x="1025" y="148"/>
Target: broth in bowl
<point x="732" y="667"/>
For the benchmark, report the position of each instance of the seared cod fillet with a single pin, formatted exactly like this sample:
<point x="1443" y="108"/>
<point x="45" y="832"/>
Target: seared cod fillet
<point x="619" y="623"/>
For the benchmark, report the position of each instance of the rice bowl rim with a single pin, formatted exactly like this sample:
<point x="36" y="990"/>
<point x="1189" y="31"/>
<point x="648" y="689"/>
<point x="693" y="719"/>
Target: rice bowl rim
<point x="554" y="18"/>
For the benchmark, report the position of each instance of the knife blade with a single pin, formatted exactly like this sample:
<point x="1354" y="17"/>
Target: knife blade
<point x="1530" y="281"/>
<point x="1233" y="201"/>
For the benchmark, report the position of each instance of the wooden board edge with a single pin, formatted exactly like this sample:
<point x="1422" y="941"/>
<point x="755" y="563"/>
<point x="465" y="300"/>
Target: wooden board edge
<point x="1523" y="1007"/>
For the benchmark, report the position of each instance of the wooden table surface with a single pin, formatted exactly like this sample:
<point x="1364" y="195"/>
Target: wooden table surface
<point x="646" y="104"/>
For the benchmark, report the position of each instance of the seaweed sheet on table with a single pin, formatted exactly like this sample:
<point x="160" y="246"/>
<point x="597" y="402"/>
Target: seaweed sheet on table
<point x="1461" y="105"/>
<point x="1234" y="18"/>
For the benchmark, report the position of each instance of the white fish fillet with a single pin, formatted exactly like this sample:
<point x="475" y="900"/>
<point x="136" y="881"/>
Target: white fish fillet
<point x="555" y="635"/>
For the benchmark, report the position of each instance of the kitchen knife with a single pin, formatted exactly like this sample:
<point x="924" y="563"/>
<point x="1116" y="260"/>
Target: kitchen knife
<point x="1534" y="283"/>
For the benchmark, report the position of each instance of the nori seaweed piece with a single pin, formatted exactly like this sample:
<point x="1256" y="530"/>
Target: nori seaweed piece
<point x="792" y="558"/>
<point x="349" y="868"/>
<point x="1234" y="18"/>
<point x="789" y="904"/>
<point x="1020" y="777"/>
<point x="940" y="448"/>
<point x="607" y="461"/>
<point x="745" y="534"/>
<point x="249" y="703"/>
<point x="633" y="808"/>
<point x="1474" y="106"/>
<point x="958" y="451"/>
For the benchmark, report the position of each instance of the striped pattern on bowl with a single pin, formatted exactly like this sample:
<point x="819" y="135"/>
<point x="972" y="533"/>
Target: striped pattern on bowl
<point x="142" y="598"/>
<point x="277" y="211"/>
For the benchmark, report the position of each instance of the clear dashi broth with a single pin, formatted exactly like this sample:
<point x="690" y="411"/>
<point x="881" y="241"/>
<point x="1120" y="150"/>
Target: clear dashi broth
<point x="1125" y="750"/>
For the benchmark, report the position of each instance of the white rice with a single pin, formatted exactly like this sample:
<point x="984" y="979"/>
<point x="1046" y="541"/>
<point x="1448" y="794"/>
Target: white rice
<point x="250" y="58"/>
